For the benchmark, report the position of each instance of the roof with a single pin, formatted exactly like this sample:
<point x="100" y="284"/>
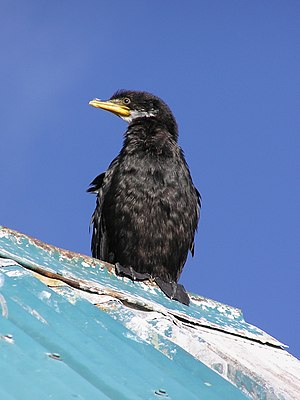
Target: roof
<point x="70" y="328"/>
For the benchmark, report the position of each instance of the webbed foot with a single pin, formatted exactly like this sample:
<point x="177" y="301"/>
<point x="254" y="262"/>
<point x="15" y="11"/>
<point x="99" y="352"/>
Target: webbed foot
<point x="129" y="272"/>
<point x="173" y="290"/>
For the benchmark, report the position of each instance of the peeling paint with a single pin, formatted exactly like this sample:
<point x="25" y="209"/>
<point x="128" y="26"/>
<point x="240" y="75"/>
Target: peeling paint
<point x="30" y="310"/>
<point x="3" y="305"/>
<point x="16" y="273"/>
<point x="85" y="264"/>
<point x="44" y="295"/>
<point x="131" y="336"/>
<point x="215" y="334"/>
<point x="3" y="233"/>
<point x="6" y="262"/>
<point x="2" y="278"/>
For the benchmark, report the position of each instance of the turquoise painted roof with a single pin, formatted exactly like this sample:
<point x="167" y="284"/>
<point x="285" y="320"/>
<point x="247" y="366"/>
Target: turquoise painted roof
<point x="70" y="328"/>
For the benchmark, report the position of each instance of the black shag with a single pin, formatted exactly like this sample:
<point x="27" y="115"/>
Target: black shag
<point x="147" y="207"/>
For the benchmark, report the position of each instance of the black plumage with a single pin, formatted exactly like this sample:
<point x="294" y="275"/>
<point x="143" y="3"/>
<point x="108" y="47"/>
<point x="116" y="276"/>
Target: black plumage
<point x="147" y="207"/>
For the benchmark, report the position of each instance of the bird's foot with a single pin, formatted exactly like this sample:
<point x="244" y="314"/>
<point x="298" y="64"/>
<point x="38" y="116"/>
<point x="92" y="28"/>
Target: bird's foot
<point x="129" y="272"/>
<point x="173" y="290"/>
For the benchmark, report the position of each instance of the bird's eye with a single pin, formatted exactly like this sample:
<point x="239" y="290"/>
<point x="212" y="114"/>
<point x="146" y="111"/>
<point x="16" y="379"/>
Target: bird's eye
<point x="126" y="100"/>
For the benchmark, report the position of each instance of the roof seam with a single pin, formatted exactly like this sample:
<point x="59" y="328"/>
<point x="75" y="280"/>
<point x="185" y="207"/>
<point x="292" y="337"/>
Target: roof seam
<point x="133" y="302"/>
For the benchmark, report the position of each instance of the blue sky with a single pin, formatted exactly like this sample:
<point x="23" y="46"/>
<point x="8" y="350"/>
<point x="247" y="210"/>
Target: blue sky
<point x="229" y="70"/>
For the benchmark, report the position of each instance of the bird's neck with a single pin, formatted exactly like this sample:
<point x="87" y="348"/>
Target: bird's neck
<point x="152" y="126"/>
<point x="148" y="136"/>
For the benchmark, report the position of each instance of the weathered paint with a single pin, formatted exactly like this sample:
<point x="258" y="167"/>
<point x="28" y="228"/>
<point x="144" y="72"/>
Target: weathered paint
<point x="82" y="352"/>
<point x="207" y="332"/>
<point x="98" y="276"/>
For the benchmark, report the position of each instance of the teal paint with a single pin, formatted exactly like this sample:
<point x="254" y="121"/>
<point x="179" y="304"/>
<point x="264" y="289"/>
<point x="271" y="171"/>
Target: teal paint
<point x="54" y="343"/>
<point x="33" y="253"/>
<point x="98" y="357"/>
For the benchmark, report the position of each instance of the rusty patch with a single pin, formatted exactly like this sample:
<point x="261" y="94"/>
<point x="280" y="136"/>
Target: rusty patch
<point x="70" y="255"/>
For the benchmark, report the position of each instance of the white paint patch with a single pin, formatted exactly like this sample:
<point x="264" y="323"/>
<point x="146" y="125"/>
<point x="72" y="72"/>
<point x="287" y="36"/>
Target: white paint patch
<point x="3" y="306"/>
<point x="16" y="273"/>
<point x="30" y="310"/>
<point x="44" y="295"/>
<point x="7" y="262"/>
<point x="85" y="264"/>
<point x="3" y="234"/>
<point x="38" y="316"/>
<point x="150" y="288"/>
<point x="2" y="279"/>
<point x="103" y="299"/>
<point x="132" y="336"/>
<point x="270" y="367"/>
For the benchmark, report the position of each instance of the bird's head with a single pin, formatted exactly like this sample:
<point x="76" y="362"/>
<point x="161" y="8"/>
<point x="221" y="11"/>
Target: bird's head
<point x="131" y="105"/>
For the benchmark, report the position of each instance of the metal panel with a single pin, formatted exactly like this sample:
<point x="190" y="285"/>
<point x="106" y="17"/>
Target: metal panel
<point x="145" y="340"/>
<point x="37" y="255"/>
<point x="51" y="348"/>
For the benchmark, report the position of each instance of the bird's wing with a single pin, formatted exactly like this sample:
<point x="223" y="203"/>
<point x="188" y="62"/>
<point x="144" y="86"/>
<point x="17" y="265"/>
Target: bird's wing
<point x="198" y="203"/>
<point x="192" y="246"/>
<point x="100" y="185"/>
<point x="96" y="184"/>
<point x="98" y="244"/>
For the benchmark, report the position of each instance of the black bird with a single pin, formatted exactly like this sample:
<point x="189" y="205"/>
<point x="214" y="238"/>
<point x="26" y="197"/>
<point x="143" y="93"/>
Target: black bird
<point x="147" y="207"/>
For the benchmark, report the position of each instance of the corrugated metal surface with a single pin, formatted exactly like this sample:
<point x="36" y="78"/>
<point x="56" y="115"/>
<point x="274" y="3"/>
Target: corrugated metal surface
<point x="136" y="344"/>
<point x="35" y="254"/>
<point x="51" y="348"/>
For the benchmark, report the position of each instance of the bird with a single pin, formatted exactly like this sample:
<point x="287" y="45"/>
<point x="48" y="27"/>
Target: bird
<point x="147" y="206"/>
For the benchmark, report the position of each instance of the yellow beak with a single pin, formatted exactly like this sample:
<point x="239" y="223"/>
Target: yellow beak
<point x="118" y="109"/>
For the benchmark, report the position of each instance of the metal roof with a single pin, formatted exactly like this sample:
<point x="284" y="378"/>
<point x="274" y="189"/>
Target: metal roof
<point x="70" y="328"/>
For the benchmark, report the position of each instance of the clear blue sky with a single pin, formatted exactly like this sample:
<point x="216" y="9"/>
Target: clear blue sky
<point x="230" y="71"/>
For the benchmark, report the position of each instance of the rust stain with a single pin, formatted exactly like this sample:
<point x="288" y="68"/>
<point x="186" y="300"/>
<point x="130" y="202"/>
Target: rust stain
<point x="93" y="262"/>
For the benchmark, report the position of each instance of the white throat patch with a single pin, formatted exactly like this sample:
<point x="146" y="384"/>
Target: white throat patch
<point x="139" y="114"/>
